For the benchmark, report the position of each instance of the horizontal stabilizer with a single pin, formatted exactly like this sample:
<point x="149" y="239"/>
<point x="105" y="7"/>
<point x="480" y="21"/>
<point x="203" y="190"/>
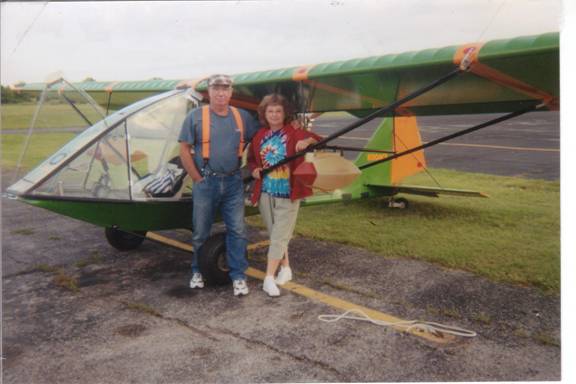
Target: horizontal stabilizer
<point x="424" y="191"/>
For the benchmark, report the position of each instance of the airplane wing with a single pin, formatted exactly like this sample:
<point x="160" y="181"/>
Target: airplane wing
<point x="505" y="75"/>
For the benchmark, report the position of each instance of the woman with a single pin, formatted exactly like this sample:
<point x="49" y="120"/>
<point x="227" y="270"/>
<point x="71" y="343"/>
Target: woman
<point x="277" y="194"/>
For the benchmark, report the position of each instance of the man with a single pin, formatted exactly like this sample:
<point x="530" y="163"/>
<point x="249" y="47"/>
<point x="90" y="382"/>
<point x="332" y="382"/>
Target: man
<point x="217" y="134"/>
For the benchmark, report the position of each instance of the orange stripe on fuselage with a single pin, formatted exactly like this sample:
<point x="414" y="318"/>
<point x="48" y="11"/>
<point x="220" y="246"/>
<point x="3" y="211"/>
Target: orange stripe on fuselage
<point x="499" y="77"/>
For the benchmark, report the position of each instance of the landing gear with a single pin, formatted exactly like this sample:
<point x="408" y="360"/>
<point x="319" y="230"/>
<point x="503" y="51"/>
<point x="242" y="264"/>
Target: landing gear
<point x="124" y="241"/>
<point x="212" y="260"/>
<point x="400" y="203"/>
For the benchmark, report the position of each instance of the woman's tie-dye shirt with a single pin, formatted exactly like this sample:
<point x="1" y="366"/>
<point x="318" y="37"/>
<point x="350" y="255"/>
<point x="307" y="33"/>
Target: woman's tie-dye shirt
<point x="272" y="150"/>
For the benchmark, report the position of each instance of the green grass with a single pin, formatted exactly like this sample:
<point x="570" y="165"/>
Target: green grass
<point x="19" y="116"/>
<point x="513" y="236"/>
<point x="39" y="148"/>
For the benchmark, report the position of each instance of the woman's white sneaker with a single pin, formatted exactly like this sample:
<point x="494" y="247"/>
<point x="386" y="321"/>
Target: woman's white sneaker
<point x="284" y="276"/>
<point x="270" y="287"/>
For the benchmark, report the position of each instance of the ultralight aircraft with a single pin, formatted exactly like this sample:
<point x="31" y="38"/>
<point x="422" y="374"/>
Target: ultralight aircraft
<point x="122" y="171"/>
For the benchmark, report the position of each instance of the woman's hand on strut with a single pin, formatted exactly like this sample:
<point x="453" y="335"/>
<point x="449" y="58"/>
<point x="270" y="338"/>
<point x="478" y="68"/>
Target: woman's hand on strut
<point x="256" y="173"/>
<point x="303" y="144"/>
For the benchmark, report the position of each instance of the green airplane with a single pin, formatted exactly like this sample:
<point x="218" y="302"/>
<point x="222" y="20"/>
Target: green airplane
<point x="122" y="172"/>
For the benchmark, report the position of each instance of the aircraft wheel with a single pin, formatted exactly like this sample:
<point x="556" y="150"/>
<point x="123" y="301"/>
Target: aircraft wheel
<point x="124" y="241"/>
<point x="400" y="203"/>
<point x="212" y="260"/>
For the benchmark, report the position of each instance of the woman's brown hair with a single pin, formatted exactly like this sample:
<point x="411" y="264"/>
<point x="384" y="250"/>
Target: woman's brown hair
<point x="275" y="99"/>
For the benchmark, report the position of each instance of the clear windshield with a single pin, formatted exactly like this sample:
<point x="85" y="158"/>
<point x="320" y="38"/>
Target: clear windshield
<point x="138" y="158"/>
<point x="62" y="113"/>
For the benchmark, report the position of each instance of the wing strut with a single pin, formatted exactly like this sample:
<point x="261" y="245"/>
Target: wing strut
<point x="379" y="113"/>
<point x="454" y="135"/>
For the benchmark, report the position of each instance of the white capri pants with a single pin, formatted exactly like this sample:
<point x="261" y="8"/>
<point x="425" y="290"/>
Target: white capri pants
<point x="279" y="215"/>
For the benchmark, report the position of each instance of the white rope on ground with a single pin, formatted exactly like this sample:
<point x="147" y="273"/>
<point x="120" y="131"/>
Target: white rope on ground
<point x="410" y="325"/>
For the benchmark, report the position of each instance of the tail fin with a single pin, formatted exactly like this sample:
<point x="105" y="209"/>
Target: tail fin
<point x="396" y="134"/>
<point x="406" y="136"/>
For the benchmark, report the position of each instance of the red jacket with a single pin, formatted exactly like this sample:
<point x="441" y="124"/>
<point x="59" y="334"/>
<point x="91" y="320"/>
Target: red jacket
<point x="297" y="190"/>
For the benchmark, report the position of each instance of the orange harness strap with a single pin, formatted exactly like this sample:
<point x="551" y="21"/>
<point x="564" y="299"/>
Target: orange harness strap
<point x="206" y="130"/>
<point x="501" y="78"/>
<point x="240" y="126"/>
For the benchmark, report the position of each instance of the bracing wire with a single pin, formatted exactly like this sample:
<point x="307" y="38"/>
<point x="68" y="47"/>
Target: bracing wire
<point x="491" y="20"/>
<point x="29" y="27"/>
<point x="426" y="169"/>
<point x="406" y="326"/>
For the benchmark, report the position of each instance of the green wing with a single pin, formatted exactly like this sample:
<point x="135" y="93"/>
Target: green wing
<point x="508" y="74"/>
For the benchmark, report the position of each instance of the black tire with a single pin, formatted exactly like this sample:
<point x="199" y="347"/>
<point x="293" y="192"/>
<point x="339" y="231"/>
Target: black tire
<point x="124" y="241"/>
<point x="212" y="260"/>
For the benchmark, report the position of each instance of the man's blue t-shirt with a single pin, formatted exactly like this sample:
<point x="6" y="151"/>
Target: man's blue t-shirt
<point x="224" y="138"/>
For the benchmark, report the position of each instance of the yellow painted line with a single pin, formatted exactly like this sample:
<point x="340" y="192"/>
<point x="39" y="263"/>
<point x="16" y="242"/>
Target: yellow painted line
<point x="533" y="149"/>
<point x="347" y="305"/>
<point x="350" y="137"/>
<point x="260" y="244"/>
<point x="187" y="247"/>
<point x="530" y="149"/>
<point x="166" y="240"/>
<point x="312" y="294"/>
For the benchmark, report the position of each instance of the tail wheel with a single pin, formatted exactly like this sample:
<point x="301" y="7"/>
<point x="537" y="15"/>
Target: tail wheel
<point x="124" y="241"/>
<point x="212" y="260"/>
<point x="400" y="203"/>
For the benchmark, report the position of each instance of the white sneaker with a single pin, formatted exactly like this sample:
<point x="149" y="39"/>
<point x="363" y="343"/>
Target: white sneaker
<point x="270" y="287"/>
<point x="240" y="287"/>
<point x="284" y="276"/>
<point x="197" y="281"/>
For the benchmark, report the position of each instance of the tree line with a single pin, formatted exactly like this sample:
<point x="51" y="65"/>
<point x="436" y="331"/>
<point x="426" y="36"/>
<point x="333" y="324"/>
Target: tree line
<point x="9" y="96"/>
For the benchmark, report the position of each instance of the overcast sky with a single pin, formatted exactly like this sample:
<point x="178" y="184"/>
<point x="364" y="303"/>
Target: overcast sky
<point x="175" y="40"/>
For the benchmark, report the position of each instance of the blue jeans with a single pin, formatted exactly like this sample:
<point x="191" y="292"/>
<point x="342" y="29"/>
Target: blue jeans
<point x="227" y="194"/>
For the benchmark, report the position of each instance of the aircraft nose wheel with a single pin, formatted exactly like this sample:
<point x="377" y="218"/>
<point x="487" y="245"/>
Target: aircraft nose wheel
<point x="212" y="260"/>
<point x="124" y="241"/>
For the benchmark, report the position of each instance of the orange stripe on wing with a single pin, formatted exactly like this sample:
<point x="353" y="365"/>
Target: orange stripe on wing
<point x="110" y="86"/>
<point x="499" y="77"/>
<point x="345" y="92"/>
<point x="189" y="83"/>
<point x="471" y="49"/>
<point x="301" y="73"/>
